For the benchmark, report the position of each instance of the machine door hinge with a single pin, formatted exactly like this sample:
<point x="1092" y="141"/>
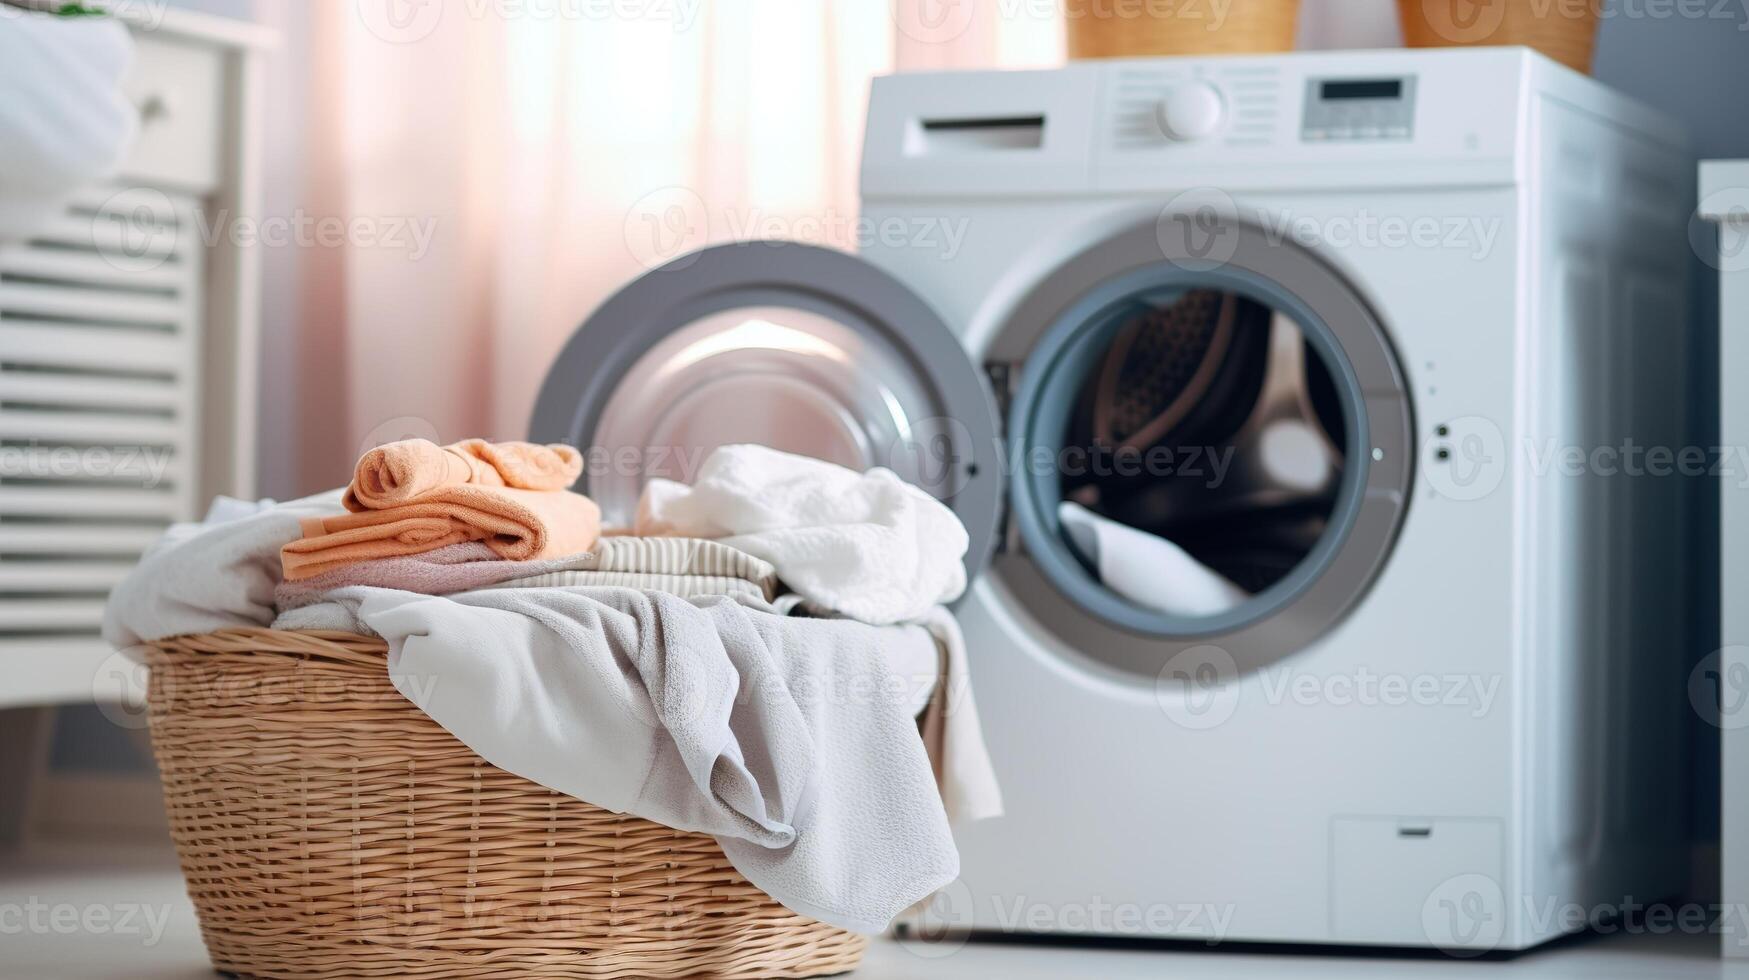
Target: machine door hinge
<point x="1004" y="377"/>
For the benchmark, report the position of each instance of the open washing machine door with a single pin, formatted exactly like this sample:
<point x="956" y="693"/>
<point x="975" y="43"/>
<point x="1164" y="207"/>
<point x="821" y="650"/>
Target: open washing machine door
<point x="1265" y="358"/>
<point x="801" y="348"/>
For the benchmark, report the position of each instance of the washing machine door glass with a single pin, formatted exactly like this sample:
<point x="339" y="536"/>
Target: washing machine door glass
<point x="801" y="348"/>
<point x="1213" y="453"/>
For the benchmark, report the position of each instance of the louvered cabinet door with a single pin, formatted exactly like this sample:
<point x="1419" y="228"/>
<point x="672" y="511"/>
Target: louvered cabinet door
<point x="107" y="341"/>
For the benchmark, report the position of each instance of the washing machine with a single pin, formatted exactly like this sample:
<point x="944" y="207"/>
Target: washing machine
<point x="1385" y="344"/>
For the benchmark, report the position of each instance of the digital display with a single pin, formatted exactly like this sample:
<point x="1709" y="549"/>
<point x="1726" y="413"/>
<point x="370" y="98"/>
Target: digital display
<point x="1371" y="89"/>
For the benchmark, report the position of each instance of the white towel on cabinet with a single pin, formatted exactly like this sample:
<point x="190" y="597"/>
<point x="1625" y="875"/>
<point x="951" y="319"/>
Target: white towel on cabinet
<point x="63" y="121"/>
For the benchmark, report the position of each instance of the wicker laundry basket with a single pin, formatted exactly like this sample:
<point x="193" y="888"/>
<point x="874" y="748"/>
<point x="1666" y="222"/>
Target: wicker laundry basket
<point x="1125" y="29"/>
<point x="1565" y="31"/>
<point x="330" y="829"/>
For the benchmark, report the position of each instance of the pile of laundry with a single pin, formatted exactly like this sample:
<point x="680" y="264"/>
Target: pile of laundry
<point x="755" y="659"/>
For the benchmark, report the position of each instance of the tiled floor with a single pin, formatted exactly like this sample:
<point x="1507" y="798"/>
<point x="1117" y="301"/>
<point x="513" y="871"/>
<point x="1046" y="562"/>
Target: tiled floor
<point x="80" y="914"/>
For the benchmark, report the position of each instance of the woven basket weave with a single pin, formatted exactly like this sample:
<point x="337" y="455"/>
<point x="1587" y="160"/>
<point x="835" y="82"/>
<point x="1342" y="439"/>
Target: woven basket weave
<point x="329" y="829"/>
<point x="1119" y="29"/>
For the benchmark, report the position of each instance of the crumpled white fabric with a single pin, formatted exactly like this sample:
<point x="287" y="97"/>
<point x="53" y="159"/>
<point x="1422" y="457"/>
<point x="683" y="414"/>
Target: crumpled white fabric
<point x="864" y="545"/>
<point x="1146" y="568"/>
<point x="966" y="777"/>
<point x="217" y="574"/>
<point x="64" y="121"/>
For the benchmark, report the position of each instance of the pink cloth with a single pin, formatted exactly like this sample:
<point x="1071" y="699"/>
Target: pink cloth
<point x="453" y="568"/>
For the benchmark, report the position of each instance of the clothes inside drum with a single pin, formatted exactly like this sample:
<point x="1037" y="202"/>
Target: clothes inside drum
<point x="1213" y="428"/>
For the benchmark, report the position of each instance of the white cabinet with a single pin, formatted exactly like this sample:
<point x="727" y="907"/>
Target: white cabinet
<point x="1724" y="192"/>
<point x="128" y="354"/>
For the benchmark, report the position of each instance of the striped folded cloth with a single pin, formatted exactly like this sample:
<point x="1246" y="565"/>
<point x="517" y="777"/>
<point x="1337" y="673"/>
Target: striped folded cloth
<point x="684" y="566"/>
<point x="687" y="567"/>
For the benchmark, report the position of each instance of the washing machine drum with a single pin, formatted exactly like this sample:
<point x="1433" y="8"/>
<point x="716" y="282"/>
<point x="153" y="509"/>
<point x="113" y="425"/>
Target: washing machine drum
<point x="1190" y="385"/>
<point x="1251" y="414"/>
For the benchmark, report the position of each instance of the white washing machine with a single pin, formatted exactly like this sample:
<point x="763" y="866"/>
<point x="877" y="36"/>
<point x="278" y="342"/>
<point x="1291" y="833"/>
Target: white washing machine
<point x="1357" y="334"/>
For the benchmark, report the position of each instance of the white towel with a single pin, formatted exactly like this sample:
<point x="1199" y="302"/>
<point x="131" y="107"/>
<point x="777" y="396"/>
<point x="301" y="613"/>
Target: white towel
<point x="965" y="774"/>
<point x="64" y="121"/>
<point x="864" y="545"/>
<point x="1146" y="568"/>
<point x="209" y="576"/>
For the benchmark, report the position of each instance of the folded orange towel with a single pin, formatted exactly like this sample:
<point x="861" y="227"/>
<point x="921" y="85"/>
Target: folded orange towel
<point x="517" y="524"/>
<point x="394" y="474"/>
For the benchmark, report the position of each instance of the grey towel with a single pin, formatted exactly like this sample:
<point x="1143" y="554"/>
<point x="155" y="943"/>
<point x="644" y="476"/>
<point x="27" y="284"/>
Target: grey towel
<point x="790" y="739"/>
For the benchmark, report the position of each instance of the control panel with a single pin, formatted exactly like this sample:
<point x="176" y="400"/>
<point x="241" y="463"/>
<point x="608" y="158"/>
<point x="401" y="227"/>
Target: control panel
<point x="1366" y="120"/>
<point x="1352" y="109"/>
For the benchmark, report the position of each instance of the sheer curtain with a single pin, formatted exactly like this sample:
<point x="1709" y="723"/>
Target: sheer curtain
<point x="502" y="167"/>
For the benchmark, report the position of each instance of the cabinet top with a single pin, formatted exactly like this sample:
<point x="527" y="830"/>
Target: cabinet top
<point x="1724" y="190"/>
<point x="187" y="25"/>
